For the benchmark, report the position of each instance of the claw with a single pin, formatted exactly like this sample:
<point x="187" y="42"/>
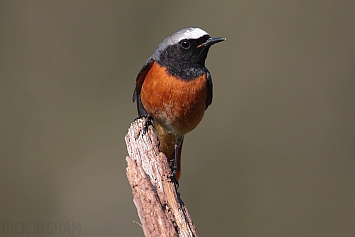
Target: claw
<point x="149" y="121"/>
<point x="174" y="179"/>
<point x="139" y="117"/>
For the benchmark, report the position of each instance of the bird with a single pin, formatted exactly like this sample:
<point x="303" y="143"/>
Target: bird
<point x="174" y="88"/>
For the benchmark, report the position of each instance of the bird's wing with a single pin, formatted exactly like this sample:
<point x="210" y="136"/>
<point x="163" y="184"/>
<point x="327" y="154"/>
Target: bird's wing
<point x="209" y="89"/>
<point x="139" y="82"/>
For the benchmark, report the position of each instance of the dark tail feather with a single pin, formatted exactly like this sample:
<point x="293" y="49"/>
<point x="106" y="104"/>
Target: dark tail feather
<point x="178" y="161"/>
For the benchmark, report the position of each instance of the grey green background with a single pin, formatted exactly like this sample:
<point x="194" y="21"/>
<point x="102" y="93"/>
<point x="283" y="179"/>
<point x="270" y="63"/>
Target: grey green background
<point x="273" y="156"/>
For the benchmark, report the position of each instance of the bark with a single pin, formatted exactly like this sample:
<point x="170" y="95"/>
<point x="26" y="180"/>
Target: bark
<point x="155" y="195"/>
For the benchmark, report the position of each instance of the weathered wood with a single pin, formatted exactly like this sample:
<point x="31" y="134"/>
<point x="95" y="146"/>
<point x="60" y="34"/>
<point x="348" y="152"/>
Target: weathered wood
<point x="159" y="207"/>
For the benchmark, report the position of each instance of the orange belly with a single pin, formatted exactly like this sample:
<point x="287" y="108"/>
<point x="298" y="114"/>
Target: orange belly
<point x="177" y="105"/>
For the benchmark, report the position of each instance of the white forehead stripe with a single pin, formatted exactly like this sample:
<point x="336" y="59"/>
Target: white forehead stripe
<point x="192" y="33"/>
<point x="186" y="33"/>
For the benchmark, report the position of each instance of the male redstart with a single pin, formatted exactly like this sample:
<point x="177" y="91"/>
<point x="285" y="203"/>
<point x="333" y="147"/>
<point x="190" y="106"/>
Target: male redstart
<point x="174" y="88"/>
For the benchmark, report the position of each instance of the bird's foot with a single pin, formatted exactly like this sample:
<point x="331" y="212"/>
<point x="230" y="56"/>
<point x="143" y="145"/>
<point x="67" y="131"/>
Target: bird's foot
<point x="173" y="176"/>
<point x="149" y="121"/>
<point x="174" y="179"/>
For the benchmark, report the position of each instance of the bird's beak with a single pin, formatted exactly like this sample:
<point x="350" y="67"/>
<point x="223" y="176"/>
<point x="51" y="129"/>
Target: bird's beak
<point x="211" y="41"/>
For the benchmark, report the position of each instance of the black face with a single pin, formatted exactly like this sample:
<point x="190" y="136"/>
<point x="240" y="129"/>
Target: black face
<point x="185" y="59"/>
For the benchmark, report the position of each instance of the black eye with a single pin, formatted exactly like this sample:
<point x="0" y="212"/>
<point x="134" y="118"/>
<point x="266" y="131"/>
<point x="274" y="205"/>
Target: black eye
<point x="185" y="44"/>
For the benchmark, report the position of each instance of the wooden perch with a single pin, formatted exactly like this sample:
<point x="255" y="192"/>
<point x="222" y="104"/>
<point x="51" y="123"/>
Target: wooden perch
<point x="159" y="207"/>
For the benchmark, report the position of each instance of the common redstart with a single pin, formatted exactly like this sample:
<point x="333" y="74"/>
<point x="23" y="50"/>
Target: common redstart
<point x="174" y="88"/>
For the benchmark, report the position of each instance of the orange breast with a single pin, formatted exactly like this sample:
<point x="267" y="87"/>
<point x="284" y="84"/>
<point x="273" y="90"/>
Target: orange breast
<point x="177" y="105"/>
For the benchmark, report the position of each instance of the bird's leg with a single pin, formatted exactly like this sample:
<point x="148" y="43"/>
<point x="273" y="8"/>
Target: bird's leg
<point x="176" y="157"/>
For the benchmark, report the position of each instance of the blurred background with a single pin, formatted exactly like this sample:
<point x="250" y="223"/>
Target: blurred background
<point x="273" y="156"/>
